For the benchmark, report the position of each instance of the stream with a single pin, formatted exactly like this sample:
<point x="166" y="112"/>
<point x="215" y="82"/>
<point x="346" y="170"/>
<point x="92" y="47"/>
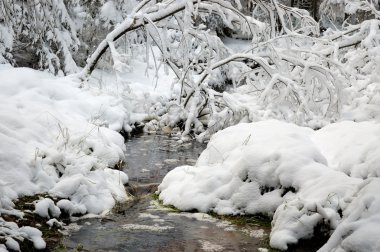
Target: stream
<point x="143" y="224"/>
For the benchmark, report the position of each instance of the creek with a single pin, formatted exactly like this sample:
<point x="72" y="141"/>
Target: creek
<point x="143" y="224"/>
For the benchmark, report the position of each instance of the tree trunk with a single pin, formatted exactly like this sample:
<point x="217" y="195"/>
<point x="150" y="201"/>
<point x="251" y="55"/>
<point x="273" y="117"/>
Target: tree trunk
<point x="314" y="9"/>
<point x="130" y="24"/>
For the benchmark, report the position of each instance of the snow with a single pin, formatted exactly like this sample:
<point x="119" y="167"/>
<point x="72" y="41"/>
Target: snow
<point x="262" y="249"/>
<point x="47" y="140"/>
<point x="70" y="207"/>
<point x="6" y="39"/>
<point x="12" y="244"/>
<point x="48" y="145"/>
<point x="11" y="231"/>
<point x="108" y="12"/>
<point x="359" y="229"/>
<point x="237" y="45"/>
<point x="60" y="139"/>
<point x="35" y="236"/>
<point x="46" y="208"/>
<point x="298" y="176"/>
<point x="55" y="222"/>
<point x="345" y="149"/>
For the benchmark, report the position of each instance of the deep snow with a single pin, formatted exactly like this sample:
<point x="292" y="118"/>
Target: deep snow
<point x="298" y="176"/>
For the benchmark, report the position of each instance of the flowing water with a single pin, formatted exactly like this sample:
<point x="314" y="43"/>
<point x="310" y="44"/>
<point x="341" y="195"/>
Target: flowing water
<point x="144" y="225"/>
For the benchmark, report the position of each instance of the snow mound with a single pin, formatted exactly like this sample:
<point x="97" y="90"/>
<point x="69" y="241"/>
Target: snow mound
<point x="300" y="177"/>
<point x="46" y="208"/>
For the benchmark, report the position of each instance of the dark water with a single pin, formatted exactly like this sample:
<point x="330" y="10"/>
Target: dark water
<point x="144" y="225"/>
<point x="150" y="157"/>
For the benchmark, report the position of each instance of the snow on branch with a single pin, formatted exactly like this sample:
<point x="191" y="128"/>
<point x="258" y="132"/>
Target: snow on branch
<point x="291" y="20"/>
<point x="305" y="84"/>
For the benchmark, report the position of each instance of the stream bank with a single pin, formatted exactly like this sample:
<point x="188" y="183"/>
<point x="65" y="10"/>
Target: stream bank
<point x="144" y="224"/>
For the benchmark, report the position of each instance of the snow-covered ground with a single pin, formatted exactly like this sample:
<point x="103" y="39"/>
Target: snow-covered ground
<point x="60" y="139"/>
<point x="298" y="176"/>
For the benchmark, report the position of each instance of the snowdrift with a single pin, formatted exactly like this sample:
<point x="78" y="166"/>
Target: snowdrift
<point x="300" y="177"/>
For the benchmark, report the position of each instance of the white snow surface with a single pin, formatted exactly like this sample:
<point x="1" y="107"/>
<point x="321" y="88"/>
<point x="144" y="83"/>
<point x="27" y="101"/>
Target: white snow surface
<point x="298" y="176"/>
<point x="46" y="208"/>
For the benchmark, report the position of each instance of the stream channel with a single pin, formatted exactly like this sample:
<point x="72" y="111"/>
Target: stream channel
<point x="143" y="224"/>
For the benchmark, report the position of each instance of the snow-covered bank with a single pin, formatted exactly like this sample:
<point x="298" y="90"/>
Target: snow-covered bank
<point x="299" y="176"/>
<point x="50" y="141"/>
<point x="63" y="140"/>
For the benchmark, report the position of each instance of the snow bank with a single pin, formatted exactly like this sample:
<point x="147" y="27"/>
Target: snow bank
<point x="48" y="145"/>
<point x="51" y="142"/>
<point x="298" y="176"/>
<point x="61" y="139"/>
<point x="352" y="148"/>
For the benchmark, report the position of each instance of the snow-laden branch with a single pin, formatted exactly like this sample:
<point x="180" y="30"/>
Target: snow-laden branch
<point x="288" y="72"/>
<point x="309" y="86"/>
<point x="299" y="21"/>
<point x="133" y="22"/>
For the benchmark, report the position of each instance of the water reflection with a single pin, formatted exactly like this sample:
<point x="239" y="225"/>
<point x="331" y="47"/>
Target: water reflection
<point x="151" y="157"/>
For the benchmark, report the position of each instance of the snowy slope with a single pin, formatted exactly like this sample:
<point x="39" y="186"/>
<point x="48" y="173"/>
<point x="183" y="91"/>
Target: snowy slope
<point x="298" y="176"/>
